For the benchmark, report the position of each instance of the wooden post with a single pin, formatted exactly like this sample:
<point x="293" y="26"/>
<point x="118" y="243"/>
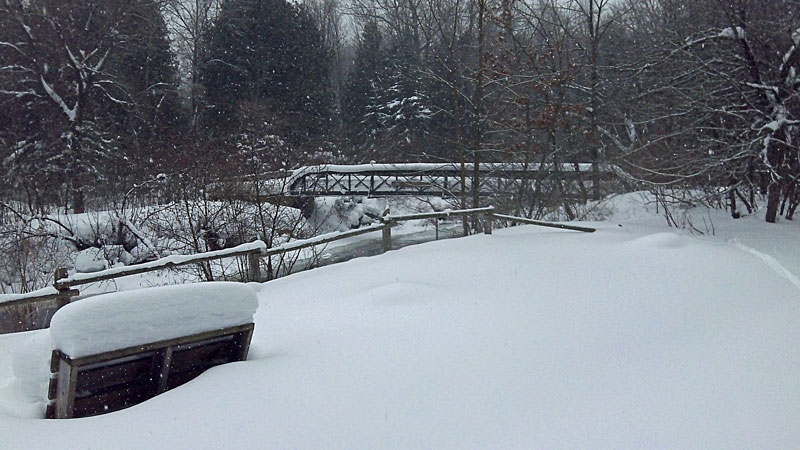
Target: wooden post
<point x="487" y="223"/>
<point x="64" y="293"/>
<point x="60" y="273"/>
<point x="387" y="237"/>
<point x="61" y="392"/>
<point x="437" y="227"/>
<point x="161" y="366"/>
<point x="253" y="269"/>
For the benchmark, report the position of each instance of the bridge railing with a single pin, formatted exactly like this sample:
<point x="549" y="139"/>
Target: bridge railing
<point x="445" y="179"/>
<point x="21" y="312"/>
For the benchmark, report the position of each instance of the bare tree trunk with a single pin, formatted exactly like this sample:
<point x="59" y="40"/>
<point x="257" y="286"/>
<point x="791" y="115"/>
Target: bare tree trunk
<point x="773" y="201"/>
<point x="732" y="198"/>
<point x="478" y="107"/>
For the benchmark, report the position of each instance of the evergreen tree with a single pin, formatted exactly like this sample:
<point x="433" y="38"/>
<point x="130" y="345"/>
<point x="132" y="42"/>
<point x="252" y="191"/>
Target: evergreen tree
<point x="363" y="86"/>
<point x="266" y="72"/>
<point x="403" y="109"/>
<point x="386" y="108"/>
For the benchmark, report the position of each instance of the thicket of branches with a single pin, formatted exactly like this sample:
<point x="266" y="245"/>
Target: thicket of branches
<point x="100" y="95"/>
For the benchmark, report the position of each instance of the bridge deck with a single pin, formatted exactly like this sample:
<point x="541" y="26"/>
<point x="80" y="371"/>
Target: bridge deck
<point x="417" y="179"/>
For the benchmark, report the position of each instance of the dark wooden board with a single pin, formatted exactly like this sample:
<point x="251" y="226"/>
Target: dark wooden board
<point x="110" y="381"/>
<point x="99" y="378"/>
<point x="121" y="397"/>
<point x="210" y="353"/>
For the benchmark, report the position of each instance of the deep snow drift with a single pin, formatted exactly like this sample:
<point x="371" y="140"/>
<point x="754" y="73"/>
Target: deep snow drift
<point x="630" y="337"/>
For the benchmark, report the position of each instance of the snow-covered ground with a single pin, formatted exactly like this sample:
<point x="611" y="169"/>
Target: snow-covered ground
<point x="636" y="336"/>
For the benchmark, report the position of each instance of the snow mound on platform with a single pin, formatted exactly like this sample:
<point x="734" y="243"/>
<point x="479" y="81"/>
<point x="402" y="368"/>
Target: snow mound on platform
<point x="125" y="319"/>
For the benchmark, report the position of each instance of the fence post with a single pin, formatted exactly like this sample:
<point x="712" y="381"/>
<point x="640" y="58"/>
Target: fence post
<point x="437" y="228"/>
<point x="253" y="269"/>
<point x="64" y="293"/>
<point x="387" y="236"/>
<point x="487" y="221"/>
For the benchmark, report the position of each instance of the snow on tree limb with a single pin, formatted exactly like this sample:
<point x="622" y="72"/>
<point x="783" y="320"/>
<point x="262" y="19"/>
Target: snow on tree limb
<point x="71" y="113"/>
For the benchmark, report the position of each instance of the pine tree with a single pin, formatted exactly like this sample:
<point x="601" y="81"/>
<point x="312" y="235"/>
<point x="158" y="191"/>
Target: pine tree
<point x="364" y="86"/>
<point x="266" y="72"/>
<point x="404" y="109"/>
<point x="386" y="108"/>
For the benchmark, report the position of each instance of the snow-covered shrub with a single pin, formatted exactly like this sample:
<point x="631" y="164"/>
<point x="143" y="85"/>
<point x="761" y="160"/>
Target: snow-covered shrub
<point x="29" y="257"/>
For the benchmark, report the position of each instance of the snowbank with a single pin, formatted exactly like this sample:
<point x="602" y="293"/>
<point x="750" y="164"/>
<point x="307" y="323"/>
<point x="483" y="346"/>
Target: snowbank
<point x="125" y="319"/>
<point x="26" y="393"/>
<point x="631" y="337"/>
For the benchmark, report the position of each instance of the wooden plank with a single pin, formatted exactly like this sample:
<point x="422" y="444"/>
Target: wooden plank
<point x="543" y="224"/>
<point x="50" y="411"/>
<point x="113" y="374"/>
<point x="27" y="300"/>
<point x="114" y="354"/>
<point x="439" y="214"/>
<point x="297" y="245"/>
<point x="195" y="361"/>
<point x="253" y="268"/>
<point x="186" y="357"/>
<point x="55" y="361"/>
<point x="242" y="344"/>
<point x="179" y="378"/>
<point x="30" y="313"/>
<point x="137" y="270"/>
<point x="52" y="388"/>
<point x="110" y="400"/>
<point x="65" y="393"/>
<point x="386" y="240"/>
<point x="162" y="375"/>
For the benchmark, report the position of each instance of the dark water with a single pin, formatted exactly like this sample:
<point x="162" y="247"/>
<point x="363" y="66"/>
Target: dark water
<point x="371" y="245"/>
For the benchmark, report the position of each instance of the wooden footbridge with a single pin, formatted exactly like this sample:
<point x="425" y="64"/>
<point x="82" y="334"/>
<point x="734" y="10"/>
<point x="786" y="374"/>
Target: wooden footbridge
<point x="446" y="180"/>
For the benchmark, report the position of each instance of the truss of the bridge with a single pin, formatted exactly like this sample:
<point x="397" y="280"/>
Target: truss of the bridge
<point x="409" y="179"/>
<point x="422" y="179"/>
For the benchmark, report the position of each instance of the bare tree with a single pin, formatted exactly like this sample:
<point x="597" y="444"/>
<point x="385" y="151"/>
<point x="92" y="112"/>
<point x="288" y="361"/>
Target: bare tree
<point x="718" y="99"/>
<point x="189" y="22"/>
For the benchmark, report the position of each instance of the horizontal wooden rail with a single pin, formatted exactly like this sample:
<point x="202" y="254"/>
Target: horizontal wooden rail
<point x="168" y="262"/>
<point x="542" y="224"/>
<point x="438" y="214"/>
<point x="9" y="300"/>
<point x="319" y="240"/>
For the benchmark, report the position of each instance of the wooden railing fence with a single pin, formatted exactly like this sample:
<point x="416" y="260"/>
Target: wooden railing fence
<point x="25" y="311"/>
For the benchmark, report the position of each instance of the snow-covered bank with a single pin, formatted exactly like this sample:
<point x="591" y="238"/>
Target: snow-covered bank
<point x="631" y="337"/>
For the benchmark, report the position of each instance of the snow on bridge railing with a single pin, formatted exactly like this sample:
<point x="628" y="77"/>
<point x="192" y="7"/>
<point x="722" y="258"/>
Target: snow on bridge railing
<point x="285" y="182"/>
<point x="445" y="166"/>
<point x="448" y="166"/>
